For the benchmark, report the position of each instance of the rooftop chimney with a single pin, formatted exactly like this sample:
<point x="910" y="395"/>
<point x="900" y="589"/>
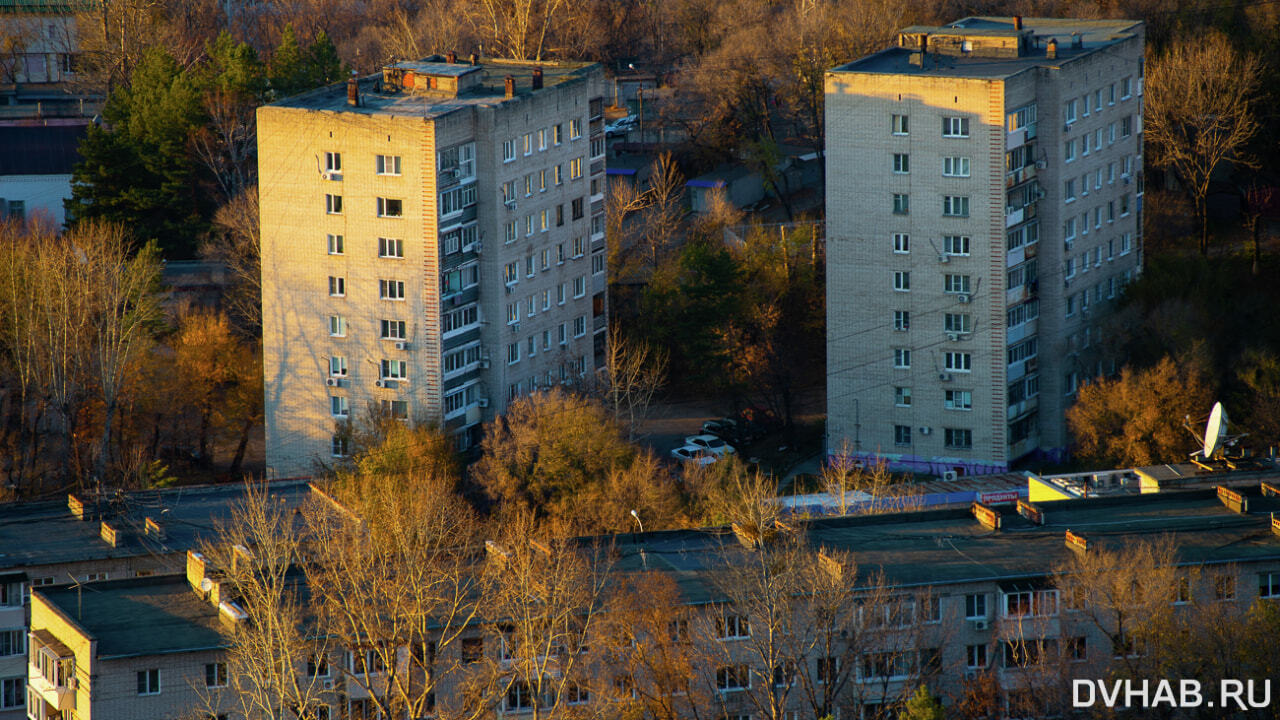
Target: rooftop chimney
<point x="510" y="83"/>
<point x="475" y="59"/>
<point x="353" y="90"/>
<point x="451" y="57"/>
<point x="537" y="78"/>
<point x="1017" y="22"/>
<point x="1077" y="40"/>
<point x="1051" y="49"/>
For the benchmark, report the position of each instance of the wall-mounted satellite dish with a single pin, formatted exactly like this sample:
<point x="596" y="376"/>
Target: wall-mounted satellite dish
<point x="1215" y="432"/>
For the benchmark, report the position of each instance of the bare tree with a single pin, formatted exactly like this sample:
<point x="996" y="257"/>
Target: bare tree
<point x="519" y="29"/>
<point x="633" y="372"/>
<point x="1199" y="112"/>
<point x="237" y="244"/>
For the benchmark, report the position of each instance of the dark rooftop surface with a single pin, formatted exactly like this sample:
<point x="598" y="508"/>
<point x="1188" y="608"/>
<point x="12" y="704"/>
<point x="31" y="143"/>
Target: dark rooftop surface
<point x="39" y="149"/>
<point x="491" y="89"/>
<point x="950" y="546"/>
<point x="44" y="533"/>
<point x="1095" y="35"/>
<point x="140" y="616"/>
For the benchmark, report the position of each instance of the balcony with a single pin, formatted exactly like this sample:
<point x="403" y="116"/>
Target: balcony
<point x="52" y="671"/>
<point x="1018" y="409"/>
<point x="1018" y="138"/>
<point x="1019" y="176"/>
<point x="1020" y="332"/>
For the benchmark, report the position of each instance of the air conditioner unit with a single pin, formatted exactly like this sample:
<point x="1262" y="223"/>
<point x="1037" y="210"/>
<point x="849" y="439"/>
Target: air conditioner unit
<point x="380" y="383"/>
<point x="509" y="290"/>
<point x="332" y="382"/>
<point x="475" y="247"/>
<point x="944" y="258"/>
<point x="970" y="674"/>
<point x="953" y="337"/>
<point x="981" y="625"/>
<point x="402" y="345"/>
<point x="326" y="684"/>
<point x="1041" y="164"/>
<point x="1127" y="179"/>
<point x="964" y="299"/>
<point x="951" y="476"/>
<point x="331" y="175"/>
<point x="924" y="430"/>
<point x="515" y="327"/>
<point x="944" y="377"/>
<point x="482" y="402"/>
<point x="510" y="203"/>
<point x="484" y="363"/>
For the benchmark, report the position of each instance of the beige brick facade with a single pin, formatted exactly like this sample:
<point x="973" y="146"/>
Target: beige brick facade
<point x="451" y="266"/>
<point x="949" y="340"/>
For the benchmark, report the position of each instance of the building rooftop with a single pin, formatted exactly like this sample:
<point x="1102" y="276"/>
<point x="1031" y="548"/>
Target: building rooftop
<point x="40" y="149"/>
<point x="408" y="88"/>
<point x="992" y="47"/>
<point x="940" y="547"/>
<point x="140" y="616"/>
<point x="46" y="533"/>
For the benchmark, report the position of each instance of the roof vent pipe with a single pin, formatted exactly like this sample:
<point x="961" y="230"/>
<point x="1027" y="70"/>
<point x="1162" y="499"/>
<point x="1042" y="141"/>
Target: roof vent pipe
<point x="1017" y="22"/>
<point x="537" y="78"/>
<point x="510" y="83"/>
<point x="475" y="59"/>
<point x="451" y="57"/>
<point x="353" y="90"/>
<point x="1051" y="49"/>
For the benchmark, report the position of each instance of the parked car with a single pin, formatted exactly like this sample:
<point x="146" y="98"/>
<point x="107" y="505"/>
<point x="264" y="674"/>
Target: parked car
<point x="724" y="428"/>
<point x="621" y="126"/>
<point x="712" y="444"/>
<point x="693" y="454"/>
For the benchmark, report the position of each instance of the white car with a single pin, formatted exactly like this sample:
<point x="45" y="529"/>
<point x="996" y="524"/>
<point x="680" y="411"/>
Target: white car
<point x="710" y="443"/>
<point x="621" y="126"/>
<point x="694" y="454"/>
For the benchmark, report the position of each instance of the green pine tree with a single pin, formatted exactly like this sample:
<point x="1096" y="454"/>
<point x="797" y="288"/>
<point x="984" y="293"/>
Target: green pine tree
<point x="923" y="705"/>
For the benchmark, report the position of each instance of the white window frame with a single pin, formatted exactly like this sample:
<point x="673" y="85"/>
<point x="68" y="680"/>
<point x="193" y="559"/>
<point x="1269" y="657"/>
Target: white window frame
<point x="901" y="243"/>
<point x="955" y="126"/>
<point x="955" y="166"/>
<point x="387" y="165"/>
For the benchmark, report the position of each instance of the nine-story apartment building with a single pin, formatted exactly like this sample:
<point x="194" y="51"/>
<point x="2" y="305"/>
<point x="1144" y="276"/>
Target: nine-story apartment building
<point x="984" y="205"/>
<point x="432" y="247"/>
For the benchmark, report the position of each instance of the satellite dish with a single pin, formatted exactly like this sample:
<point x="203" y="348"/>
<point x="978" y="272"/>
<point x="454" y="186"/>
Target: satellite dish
<point x="1216" y="431"/>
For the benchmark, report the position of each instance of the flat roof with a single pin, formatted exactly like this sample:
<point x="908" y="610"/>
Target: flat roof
<point x="33" y="534"/>
<point x="140" y="616"/>
<point x="945" y="547"/>
<point x="491" y="89"/>
<point x="1095" y="35"/>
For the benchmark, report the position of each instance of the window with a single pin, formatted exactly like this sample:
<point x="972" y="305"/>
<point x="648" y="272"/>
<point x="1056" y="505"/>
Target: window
<point x="955" y="127"/>
<point x="575" y="169"/>
<point x="732" y="627"/>
<point x="333" y="204"/>
<point x="899" y="125"/>
<point x="557" y="133"/>
<point x="580" y="326"/>
<point x="387" y="164"/>
<point x="901" y="320"/>
<point x="337" y="326"/>
<point x="508" y="150"/>
<point x="597" y="263"/>
<point x="333" y="162"/>
<point x="901" y="163"/>
<point x="955" y="283"/>
<point x="472" y="650"/>
<point x="335" y="244"/>
<point x="901" y="204"/>
<point x="733" y="677"/>
<point x="340" y="446"/>
<point x="958" y="438"/>
<point x="526" y="142"/>
<point x="338" y="366"/>
<point x="958" y="400"/>
<point x="975" y="606"/>
<point x="1069" y="190"/>
<point x="564" y="333"/>
<point x="1078" y="649"/>
<point x="1126" y="126"/>
<point x="1070" y="111"/>
<point x="391" y="289"/>
<point x="337" y="286"/>
<point x="1224" y="587"/>
<point x="13" y="642"/>
<point x="575" y="129"/>
<point x="542" y="139"/>
<point x="391" y="248"/>
<point x="955" y="167"/>
<point x="390" y="208"/>
<point x="957" y="323"/>
<point x="957" y="361"/>
<point x="1069" y="151"/>
<point x="1269" y="585"/>
<point x="955" y="244"/>
<point x="339" y="407"/>
<point x="902" y="396"/>
<point x="456" y="200"/>
<point x="902" y="358"/>
<point x="975" y="657"/>
<point x="901" y="435"/>
<point x="215" y="675"/>
<point x="828" y="669"/>
<point x="394" y="369"/>
<point x="955" y="205"/>
<point x="901" y="281"/>
<point x="577" y="207"/>
<point x="1126" y="88"/>
<point x="12" y="692"/>
<point x="149" y="682"/>
<point x="901" y="243"/>
<point x="1031" y="603"/>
